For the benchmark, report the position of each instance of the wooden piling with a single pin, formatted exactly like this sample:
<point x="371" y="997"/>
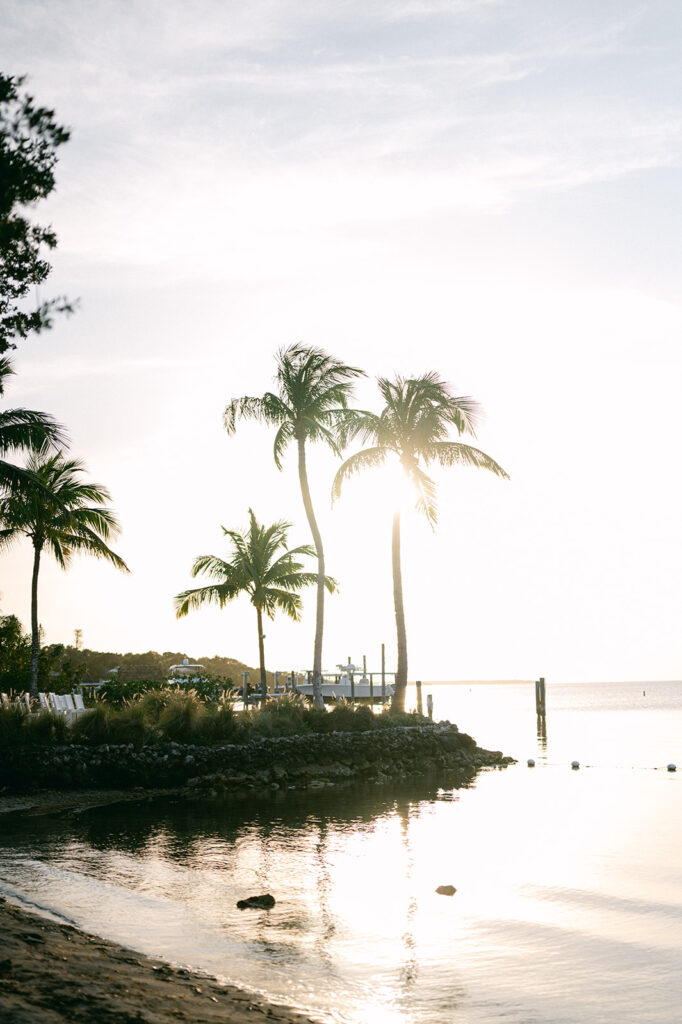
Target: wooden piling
<point x="245" y="686"/>
<point x="540" y="704"/>
<point x="429" y="705"/>
<point x="419" y="697"/>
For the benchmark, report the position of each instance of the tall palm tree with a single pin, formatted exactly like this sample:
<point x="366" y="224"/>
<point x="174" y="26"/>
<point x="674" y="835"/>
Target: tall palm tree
<point x="23" y="430"/>
<point x="60" y="513"/>
<point x="311" y="401"/>
<point x="413" y="426"/>
<point x="271" y="580"/>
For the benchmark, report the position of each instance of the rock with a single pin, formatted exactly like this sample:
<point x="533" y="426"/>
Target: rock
<point x="263" y="902"/>
<point x="442" y="890"/>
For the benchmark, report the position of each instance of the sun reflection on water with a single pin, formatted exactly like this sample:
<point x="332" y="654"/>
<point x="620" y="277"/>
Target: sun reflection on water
<point x="559" y="875"/>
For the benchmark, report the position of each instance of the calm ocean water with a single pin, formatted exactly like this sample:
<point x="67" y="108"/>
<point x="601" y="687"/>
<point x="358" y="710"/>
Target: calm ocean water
<point x="569" y="883"/>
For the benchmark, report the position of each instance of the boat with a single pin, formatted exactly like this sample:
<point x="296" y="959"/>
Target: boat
<point x="186" y="672"/>
<point x="351" y="683"/>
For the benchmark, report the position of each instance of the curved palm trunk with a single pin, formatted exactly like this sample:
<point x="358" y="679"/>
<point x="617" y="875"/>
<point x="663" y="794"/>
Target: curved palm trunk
<point x="398" y="702"/>
<point x="261" y="654"/>
<point x="317" y="540"/>
<point x="35" y="629"/>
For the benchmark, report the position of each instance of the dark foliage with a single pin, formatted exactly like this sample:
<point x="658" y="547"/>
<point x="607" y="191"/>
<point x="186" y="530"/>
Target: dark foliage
<point x="56" y="672"/>
<point x="29" y="139"/>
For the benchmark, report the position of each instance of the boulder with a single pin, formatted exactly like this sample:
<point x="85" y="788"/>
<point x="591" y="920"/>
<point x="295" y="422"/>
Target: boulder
<point x="263" y="902"/>
<point x="442" y="890"/>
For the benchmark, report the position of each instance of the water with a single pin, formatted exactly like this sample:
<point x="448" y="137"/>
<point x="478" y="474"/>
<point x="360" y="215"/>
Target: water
<point x="569" y="884"/>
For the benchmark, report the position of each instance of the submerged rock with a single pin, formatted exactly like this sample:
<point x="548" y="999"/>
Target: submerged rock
<point x="263" y="902"/>
<point x="446" y="890"/>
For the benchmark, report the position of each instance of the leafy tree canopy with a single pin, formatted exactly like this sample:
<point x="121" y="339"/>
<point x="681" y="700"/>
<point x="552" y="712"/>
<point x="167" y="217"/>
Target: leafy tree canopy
<point x="29" y="139"/>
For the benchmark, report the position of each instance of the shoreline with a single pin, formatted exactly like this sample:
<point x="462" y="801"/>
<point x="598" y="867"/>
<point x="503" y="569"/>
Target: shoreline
<point x="52" y="973"/>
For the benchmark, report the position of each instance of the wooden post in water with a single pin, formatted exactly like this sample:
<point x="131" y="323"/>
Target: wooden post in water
<point x="352" y="683"/>
<point x="419" y="697"/>
<point x="277" y="675"/>
<point x="383" y="673"/>
<point x="429" y="705"/>
<point x="540" y="706"/>
<point x="245" y="687"/>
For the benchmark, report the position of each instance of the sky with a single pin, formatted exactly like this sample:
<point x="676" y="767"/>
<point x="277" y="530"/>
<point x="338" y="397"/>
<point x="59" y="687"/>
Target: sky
<point x="485" y="188"/>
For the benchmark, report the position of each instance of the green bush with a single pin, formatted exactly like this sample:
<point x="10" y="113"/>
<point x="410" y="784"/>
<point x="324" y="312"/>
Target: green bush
<point x="12" y="720"/>
<point x="17" y="728"/>
<point x="346" y="717"/>
<point x="183" y="719"/>
<point x="185" y="715"/>
<point x="289" y="715"/>
<point x="209" y="687"/>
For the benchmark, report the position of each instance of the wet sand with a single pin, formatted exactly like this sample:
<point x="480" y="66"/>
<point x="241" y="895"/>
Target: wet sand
<point x="52" y="973"/>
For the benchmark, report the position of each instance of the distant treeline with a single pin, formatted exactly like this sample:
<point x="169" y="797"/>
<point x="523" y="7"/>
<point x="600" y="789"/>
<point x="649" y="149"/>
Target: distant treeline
<point x="98" y="665"/>
<point x="63" y="666"/>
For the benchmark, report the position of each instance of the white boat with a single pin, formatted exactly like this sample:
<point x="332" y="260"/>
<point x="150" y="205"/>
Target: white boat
<point x="350" y="683"/>
<point x="183" y="673"/>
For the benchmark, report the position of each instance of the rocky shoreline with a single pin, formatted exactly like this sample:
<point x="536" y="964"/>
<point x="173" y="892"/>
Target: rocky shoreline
<point x="308" y="761"/>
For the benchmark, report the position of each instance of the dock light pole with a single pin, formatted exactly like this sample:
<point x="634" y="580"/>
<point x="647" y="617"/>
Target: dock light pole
<point x="383" y="673"/>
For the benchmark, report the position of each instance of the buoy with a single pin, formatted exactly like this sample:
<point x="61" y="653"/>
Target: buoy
<point x="672" y="767"/>
<point x="531" y="762"/>
<point x="575" y="765"/>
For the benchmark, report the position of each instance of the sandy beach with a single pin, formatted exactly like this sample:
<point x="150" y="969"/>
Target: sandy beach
<point x="52" y="973"/>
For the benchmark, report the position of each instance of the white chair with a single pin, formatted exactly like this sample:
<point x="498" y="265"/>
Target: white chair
<point x="79" y="705"/>
<point x="27" y="701"/>
<point x="56" y="704"/>
<point x="44" y="702"/>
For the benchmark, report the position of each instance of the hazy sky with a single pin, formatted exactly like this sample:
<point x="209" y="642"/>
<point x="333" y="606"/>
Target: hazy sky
<point x="487" y="189"/>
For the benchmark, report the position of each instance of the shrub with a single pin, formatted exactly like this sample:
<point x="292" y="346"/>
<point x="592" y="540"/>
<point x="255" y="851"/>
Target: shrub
<point x="95" y="727"/>
<point x="289" y="715"/>
<point x="209" y="687"/>
<point x="183" y="719"/>
<point x="18" y="729"/>
<point x="346" y="717"/>
<point x="11" y="725"/>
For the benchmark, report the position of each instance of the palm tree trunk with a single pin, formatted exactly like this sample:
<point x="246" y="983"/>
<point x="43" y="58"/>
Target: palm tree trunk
<point x="398" y="702"/>
<point x="35" y="629"/>
<point x="317" y="540"/>
<point x="261" y="654"/>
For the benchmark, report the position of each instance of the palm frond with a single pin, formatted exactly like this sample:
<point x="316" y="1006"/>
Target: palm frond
<point x="27" y="430"/>
<point x="284" y="435"/>
<point x="268" y="409"/>
<point x="426" y="495"/>
<point x="369" y="458"/>
<point x="452" y="453"/>
<point x="287" y="601"/>
<point x="190" y="600"/>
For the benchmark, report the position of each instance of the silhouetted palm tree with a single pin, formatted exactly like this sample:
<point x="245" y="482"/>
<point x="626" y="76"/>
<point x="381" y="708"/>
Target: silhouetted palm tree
<point x="313" y="391"/>
<point x="60" y="513"/>
<point x="23" y="430"/>
<point x="255" y="568"/>
<point x="413" y="426"/>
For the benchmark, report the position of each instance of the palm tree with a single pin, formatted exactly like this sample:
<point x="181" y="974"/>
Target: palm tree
<point x="271" y="580"/>
<point x="63" y="514"/>
<point x="413" y="426"/>
<point x="313" y="391"/>
<point x="23" y="430"/>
